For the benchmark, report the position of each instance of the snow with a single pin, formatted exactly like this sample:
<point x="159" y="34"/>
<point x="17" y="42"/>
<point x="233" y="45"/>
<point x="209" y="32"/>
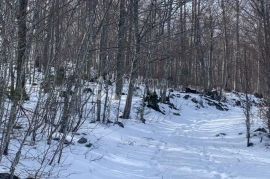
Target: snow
<point x="170" y="146"/>
<point x="173" y="147"/>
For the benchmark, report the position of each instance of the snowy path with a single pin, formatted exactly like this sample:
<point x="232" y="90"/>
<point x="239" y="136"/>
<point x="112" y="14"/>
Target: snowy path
<point x="174" y="147"/>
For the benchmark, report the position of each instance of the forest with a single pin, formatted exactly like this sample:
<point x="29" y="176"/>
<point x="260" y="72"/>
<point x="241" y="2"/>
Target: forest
<point x="69" y="68"/>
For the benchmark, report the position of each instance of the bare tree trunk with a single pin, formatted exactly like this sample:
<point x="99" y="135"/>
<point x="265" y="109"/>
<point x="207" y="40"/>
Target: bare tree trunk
<point x="225" y="48"/>
<point x="211" y="51"/>
<point x="134" y="67"/>
<point x="103" y="68"/>
<point x="20" y="79"/>
<point x="237" y="59"/>
<point x="120" y="51"/>
<point x="169" y="60"/>
<point x="247" y="107"/>
<point x="100" y="81"/>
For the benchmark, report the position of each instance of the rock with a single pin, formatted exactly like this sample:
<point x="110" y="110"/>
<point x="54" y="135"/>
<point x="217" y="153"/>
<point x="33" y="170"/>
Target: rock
<point x="67" y="142"/>
<point x="89" y="145"/>
<point x="76" y="133"/>
<point x="56" y="138"/>
<point x="176" y="114"/>
<point x="143" y="120"/>
<point x="238" y="103"/>
<point x="201" y="103"/>
<point x="171" y="105"/>
<point x="82" y="140"/>
<point x="187" y="96"/>
<point x="261" y="130"/>
<point x="210" y="103"/>
<point x="258" y="95"/>
<point x="120" y="124"/>
<point x="7" y="176"/>
<point x="219" y="107"/>
<point x="240" y="133"/>
<point x="194" y="100"/>
<point x="88" y="90"/>
<point x="152" y="100"/>
<point x="18" y="126"/>
<point x="189" y="90"/>
<point x="109" y="122"/>
<point x="221" y="134"/>
<point x="213" y="95"/>
<point x="172" y="96"/>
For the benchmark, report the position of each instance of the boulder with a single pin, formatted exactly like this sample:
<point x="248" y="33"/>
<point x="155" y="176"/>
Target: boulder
<point x="189" y="90"/>
<point x="7" y="176"/>
<point x="82" y="140"/>
<point x="152" y="100"/>
<point x="213" y="95"/>
<point x="187" y="96"/>
<point x="237" y="103"/>
<point x="194" y="100"/>
<point x="88" y="90"/>
<point x="221" y="134"/>
<point x="120" y="124"/>
<point x="109" y="122"/>
<point x="263" y="130"/>
<point x="218" y="107"/>
<point x="89" y="145"/>
<point x="258" y="95"/>
<point x="176" y="114"/>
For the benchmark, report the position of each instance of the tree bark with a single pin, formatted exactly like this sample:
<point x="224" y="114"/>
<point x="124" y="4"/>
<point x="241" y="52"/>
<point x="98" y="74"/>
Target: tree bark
<point x="120" y="51"/>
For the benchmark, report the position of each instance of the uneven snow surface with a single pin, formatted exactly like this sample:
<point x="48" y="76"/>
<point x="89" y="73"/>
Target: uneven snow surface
<point x="168" y="146"/>
<point x="173" y="147"/>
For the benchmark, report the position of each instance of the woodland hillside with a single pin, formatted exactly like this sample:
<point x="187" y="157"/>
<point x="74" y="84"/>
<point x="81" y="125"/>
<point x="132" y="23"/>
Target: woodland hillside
<point x="71" y="70"/>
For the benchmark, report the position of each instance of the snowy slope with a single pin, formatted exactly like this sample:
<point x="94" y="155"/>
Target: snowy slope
<point x="169" y="146"/>
<point x="174" y="147"/>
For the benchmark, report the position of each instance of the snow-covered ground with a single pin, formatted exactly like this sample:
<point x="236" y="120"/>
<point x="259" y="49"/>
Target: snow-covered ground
<point x="173" y="147"/>
<point x="202" y="142"/>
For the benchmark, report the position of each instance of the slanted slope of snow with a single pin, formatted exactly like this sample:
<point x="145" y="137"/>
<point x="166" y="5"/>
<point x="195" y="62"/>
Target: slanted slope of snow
<point x="173" y="147"/>
<point x="202" y="142"/>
